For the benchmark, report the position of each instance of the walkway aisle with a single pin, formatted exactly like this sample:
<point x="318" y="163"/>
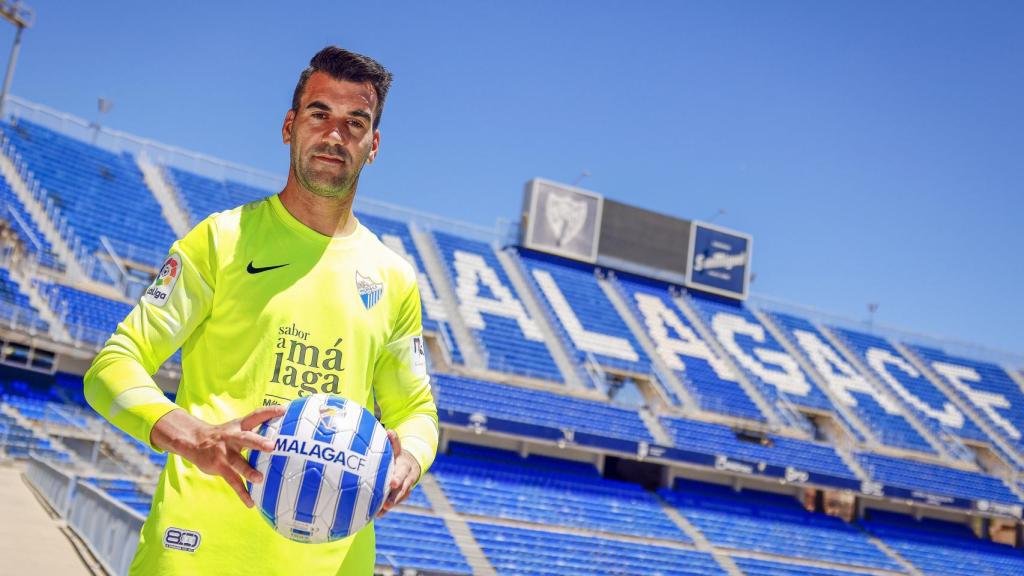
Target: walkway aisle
<point x="31" y="542"/>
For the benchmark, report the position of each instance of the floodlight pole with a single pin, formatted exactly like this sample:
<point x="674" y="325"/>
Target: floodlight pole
<point x="20" y="16"/>
<point x="10" y="69"/>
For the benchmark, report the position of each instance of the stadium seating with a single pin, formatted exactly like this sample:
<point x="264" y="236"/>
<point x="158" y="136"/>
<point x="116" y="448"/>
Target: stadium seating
<point x="772" y="524"/>
<point x="396" y="235"/>
<point x="86" y="181"/>
<point x="17" y="216"/>
<point x="931" y="405"/>
<point x="943" y="548"/>
<point x="203" y="196"/>
<point x="986" y="386"/>
<point x="586" y="319"/>
<point x="494" y="312"/>
<point x="126" y="491"/>
<point x="884" y="416"/>
<point x="88" y="317"/>
<point x="762" y="358"/>
<point x="20" y="442"/>
<point x="527" y="552"/>
<point x="759" y="567"/>
<point x="543" y="515"/>
<point x="539" y="408"/>
<point x="16" y="307"/>
<point x="717" y="439"/>
<point x="513" y="488"/>
<point x="934" y="479"/>
<point x="413" y="541"/>
<point x="709" y="378"/>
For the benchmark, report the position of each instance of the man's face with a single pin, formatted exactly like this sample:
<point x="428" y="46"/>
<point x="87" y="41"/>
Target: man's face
<point x="331" y="134"/>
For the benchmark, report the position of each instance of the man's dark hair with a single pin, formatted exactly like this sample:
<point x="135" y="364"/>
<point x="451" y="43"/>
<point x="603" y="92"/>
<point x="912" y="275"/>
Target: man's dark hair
<point x="341" y="64"/>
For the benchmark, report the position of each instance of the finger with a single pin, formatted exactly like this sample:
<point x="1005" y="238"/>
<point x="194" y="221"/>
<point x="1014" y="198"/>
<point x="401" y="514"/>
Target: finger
<point x="261" y="415"/>
<point x="396" y="442"/>
<point x="235" y="481"/>
<point x="242" y="468"/>
<point x="404" y="492"/>
<point x="252" y="441"/>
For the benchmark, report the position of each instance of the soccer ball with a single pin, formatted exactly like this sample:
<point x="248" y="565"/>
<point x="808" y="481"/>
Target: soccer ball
<point x="329" y="473"/>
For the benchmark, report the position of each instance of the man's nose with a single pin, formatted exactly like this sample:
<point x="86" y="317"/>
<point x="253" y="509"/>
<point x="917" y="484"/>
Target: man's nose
<point x="336" y="134"/>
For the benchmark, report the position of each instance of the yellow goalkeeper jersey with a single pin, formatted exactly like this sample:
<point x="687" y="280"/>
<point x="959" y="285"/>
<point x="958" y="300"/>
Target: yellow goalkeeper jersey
<point x="265" y="310"/>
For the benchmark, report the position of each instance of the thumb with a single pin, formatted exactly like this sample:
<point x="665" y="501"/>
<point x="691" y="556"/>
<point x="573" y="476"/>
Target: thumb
<point x="396" y="443"/>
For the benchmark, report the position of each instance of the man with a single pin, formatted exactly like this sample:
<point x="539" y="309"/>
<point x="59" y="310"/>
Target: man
<point x="277" y="299"/>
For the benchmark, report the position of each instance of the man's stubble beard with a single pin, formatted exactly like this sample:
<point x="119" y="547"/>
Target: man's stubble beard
<point x="325" y="187"/>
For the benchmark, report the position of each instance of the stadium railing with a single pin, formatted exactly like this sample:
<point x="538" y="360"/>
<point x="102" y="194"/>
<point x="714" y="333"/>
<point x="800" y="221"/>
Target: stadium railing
<point x="109" y="528"/>
<point x="57" y="487"/>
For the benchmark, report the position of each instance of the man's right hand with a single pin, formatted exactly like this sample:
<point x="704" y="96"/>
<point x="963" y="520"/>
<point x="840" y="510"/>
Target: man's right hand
<point x="217" y="448"/>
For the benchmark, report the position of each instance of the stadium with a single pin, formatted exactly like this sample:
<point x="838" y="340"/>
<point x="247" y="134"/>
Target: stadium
<point x="612" y="398"/>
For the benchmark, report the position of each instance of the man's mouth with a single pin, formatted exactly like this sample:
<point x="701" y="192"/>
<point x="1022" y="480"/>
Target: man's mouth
<point x="329" y="159"/>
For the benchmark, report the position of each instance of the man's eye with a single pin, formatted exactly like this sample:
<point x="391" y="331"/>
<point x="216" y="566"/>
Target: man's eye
<point x="319" y="115"/>
<point x="355" y="123"/>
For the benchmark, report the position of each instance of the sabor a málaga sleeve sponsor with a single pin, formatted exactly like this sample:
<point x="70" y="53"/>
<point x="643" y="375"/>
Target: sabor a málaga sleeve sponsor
<point x="401" y="384"/>
<point x="119" y="384"/>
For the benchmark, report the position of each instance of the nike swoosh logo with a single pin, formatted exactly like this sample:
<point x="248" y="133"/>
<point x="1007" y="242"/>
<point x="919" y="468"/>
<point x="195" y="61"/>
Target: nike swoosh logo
<point x="254" y="270"/>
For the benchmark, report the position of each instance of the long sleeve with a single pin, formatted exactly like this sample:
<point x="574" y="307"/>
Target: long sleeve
<point x="402" y="386"/>
<point x="119" y="384"/>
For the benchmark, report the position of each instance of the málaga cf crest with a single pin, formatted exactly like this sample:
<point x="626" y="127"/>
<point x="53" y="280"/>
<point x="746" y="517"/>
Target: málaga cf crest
<point x="369" y="290"/>
<point x="565" y="217"/>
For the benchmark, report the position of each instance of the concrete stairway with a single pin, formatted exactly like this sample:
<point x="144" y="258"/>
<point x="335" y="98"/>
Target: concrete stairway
<point x="33" y="197"/>
<point x="514" y="270"/>
<point x="699" y="541"/>
<point x="613" y="292"/>
<point x="819" y="380"/>
<point x="170" y="202"/>
<point x="947" y="451"/>
<point x="446" y="293"/>
<point x="457" y="526"/>
<point x="705" y="334"/>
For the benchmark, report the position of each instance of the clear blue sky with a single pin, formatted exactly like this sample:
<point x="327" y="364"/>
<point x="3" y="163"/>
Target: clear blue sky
<point x="875" y="150"/>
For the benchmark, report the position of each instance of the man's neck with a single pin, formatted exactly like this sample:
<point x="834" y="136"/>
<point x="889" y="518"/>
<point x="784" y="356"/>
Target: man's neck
<point x="328" y="216"/>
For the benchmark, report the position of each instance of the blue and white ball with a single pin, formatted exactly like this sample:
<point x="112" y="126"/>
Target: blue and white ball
<point x="330" y="470"/>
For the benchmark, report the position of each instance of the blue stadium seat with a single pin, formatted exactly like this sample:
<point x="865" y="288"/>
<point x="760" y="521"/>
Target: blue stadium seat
<point x="934" y="479"/>
<point x="513" y="488"/>
<point x="709" y="378"/>
<point x="759" y="567"/>
<point x="878" y="411"/>
<point x="518" y="404"/>
<point x="86" y="181"/>
<point x="986" y="386"/>
<point x="526" y="552"/>
<point x="944" y="548"/>
<point x="773" y="524"/>
<point x="717" y="439"/>
<point x="88" y="317"/>
<point x="931" y="405"/>
<point x="15" y="306"/>
<point x="18" y="217"/>
<point x="584" y="317"/>
<point x="203" y="196"/>
<point x="494" y="312"/>
<point x="397" y="236"/>
<point x="414" y="541"/>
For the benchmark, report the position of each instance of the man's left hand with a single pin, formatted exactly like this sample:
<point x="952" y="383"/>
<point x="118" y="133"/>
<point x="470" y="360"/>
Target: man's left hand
<point x="407" y="471"/>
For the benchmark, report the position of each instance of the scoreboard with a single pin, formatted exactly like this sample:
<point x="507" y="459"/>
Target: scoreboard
<point x="585" y="226"/>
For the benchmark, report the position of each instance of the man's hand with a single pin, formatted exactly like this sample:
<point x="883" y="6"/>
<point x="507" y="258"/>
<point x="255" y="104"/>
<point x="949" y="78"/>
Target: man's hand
<point x="407" y="472"/>
<point x="217" y="449"/>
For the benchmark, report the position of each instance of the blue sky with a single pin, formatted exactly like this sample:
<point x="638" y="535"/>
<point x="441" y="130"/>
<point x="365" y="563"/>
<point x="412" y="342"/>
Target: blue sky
<point x="875" y="150"/>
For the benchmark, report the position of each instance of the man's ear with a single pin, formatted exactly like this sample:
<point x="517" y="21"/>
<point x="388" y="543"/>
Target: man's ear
<point x="286" y="129"/>
<point x="374" y="148"/>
